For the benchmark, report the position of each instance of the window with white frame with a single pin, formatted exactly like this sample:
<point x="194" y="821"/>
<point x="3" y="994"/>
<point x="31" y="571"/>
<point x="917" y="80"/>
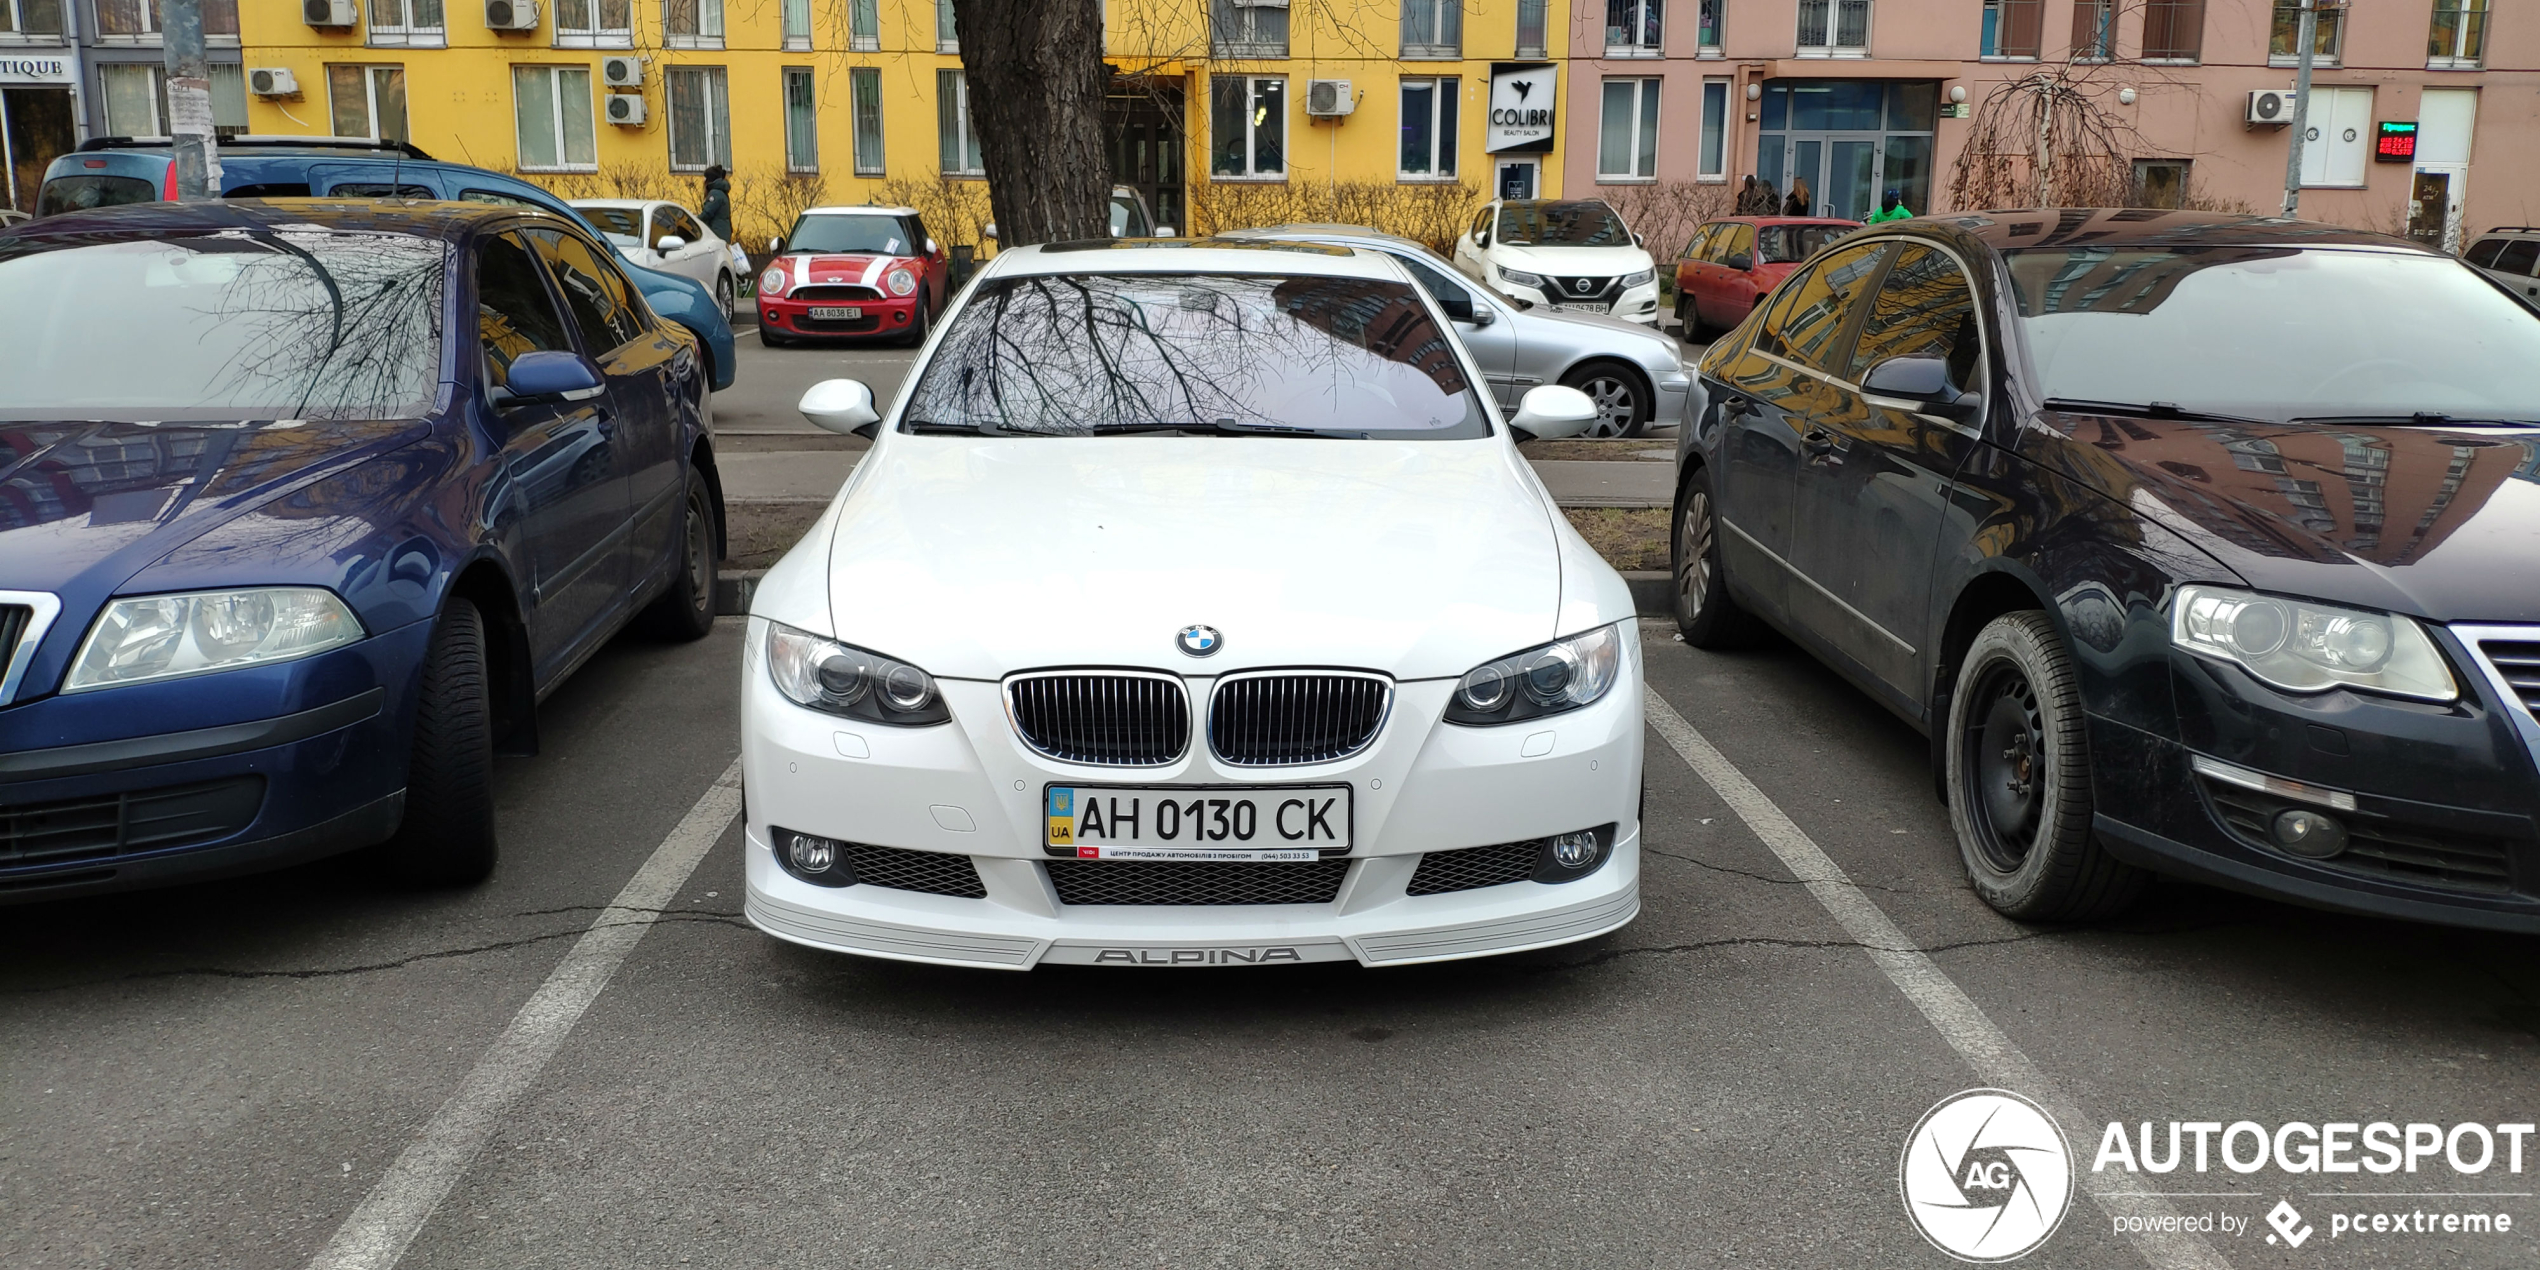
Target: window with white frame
<point x="1713" y="163"/>
<point x="700" y="118"/>
<point x="406" y="24"/>
<point x="1428" y="129"/>
<point x="367" y="101"/>
<point x="864" y="86"/>
<point x="229" y="99"/>
<point x="956" y="133"/>
<point x="25" y="20"/>
<point x="1432" y="28"/>
<point x="1248" y="125"/>
<point x="1635" y="28"/>
<point x="595" y="24"/>
<point x="692" y="24"/>
<point x="802" y="121"/>
<point x="134" y="95"/>
<point x="947" y="35"/>
<point x="1707" y="18"/>
<point x="2284" y="34"/>
<point x="2458" y="38"/>
<point x="1834" y="28"/>
<point x="551" y="109"/>
<point x="864" y="26"/>
<point x="1248" y="28"/>
<point x="1627" y="131"/>
<point x="797" y="16"/>
<point x="1530" y="28"/>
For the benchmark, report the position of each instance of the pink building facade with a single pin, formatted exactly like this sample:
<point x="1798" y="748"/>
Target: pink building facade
<point x="1856" y="97"/>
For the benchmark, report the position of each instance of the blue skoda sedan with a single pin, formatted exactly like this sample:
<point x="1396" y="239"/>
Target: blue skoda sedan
<point x="304" y="505"/>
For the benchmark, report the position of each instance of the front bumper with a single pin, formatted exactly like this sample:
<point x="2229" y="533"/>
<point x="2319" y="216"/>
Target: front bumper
<point x="882" y="319"/>
<point x="971" y="788"/>
<point x="1635" y="304"/>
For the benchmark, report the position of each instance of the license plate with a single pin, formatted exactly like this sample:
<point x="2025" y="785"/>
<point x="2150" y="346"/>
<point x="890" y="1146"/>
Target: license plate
<point x="1115" y="822"/>
<point x="1571" y="308"/>
<point x="835" y="312"/>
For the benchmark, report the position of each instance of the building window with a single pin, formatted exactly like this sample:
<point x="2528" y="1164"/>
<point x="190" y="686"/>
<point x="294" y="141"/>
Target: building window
<point x="1715" y="126"/>
<point x="802" y="109"/>
<point x="957" y="135"/>
<point x="1248" y="28"/>
<point x="368" y="101"/>
<point x="2094" y="30"/>
<point x="798" y="24"/>
<point x="1428" y="128"/>
<point x="2173" y="30"/>
<point x="692" y="24"/>
<point x="2011" y="28"/>
<point x="595" y="24"/>
<point x="229" y="99"/>
<point x="20" y="19"/>
<point x="135" y="95"/>
<point x="407" y="24"/>
<point x="2283" y="35"/>
<point x="1248" y="125"/>
<point x="1627" y="134"/>
<point x="2459" y="36"/>
<point x="2160" y="183"/>
<point x="1635" y="28"/>
<point x="1433" y="28"/>
<point x="864" y="85"/>
<point x="134" y="21"/>
<point x="1834" y="28"/>
<point x="947" y="36"/>
<point x="551" y="105"/>
<point x="700" y="118"/>
<point x="864" y="26"/>
<point x="1530" y="28"/>
<point x="1707" y="39"/>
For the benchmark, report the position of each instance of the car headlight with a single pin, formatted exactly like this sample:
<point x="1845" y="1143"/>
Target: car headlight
<point x="1562" y="675"/>
<point x="2306" y="646"/>
<point x="171" y="636"/>
<point x="772" y="282"/>
<point x="1641" y="279"/>
<point x="900" y="281"/>
<point x="842" y="679"/>
<point x="1521" y="278"/>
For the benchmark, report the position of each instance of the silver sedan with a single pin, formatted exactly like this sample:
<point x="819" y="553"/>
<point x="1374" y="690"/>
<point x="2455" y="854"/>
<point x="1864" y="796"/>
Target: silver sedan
<point x="1634" y="374"/>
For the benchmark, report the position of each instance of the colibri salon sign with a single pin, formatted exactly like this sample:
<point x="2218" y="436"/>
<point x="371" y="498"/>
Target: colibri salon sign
<point x="35" y="70"/>
<point x="1524" y="105"/>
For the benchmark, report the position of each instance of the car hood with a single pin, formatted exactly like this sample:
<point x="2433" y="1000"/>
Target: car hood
<point x="824" y="269"/>
<point x="1606" y="330"/>
<point x="1571" y="262"/>
<point x="977" y="557"/>
<point x="2439" y="523"/>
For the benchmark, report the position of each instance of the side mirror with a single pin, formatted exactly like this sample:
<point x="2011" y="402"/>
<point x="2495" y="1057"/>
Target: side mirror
<point x="1165" y="231"/>
<point x="932" y="249"/>
<point x="1920" y="384"/>
<point x="775" y="245"/>
<point x="551" y="375"/>
<point x="1552" y="412"/>
<point x="1482" y="239"/>
<point x="989" y="231"/>
<point x="1639" y="241"/>
<point x="841" y="405"/>
<point x="1740" y="261"/>
<point x="669" y="242"/>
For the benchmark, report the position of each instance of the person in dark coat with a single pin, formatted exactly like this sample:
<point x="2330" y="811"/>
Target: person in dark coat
<point x="1798" y="204"/>
<point x="717" y="211"/>
<point x="1757" y="198"/>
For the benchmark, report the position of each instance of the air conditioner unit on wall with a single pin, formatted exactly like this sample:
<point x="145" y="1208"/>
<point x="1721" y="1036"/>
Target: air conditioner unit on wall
<point x="511" y="15"/>
<point x="328" y="12"/>
<point x="626" y="109"/>
<point x="2271" y="105"/>
<point x="1329" y="98"/>
<point x="622" y="72"/>
<point x="273" y="81"/>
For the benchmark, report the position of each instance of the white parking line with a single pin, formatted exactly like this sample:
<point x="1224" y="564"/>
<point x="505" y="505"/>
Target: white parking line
<point x="1996" y="1060"/>
<point x="377" y="1233"/>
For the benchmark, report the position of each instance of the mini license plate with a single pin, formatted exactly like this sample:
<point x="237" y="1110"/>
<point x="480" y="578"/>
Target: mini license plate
<point x="836" y="312"/>
<point x="1114" y="822"/>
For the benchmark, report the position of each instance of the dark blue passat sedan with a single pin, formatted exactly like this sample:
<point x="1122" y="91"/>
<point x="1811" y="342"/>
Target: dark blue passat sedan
<point x="303" y="506"/>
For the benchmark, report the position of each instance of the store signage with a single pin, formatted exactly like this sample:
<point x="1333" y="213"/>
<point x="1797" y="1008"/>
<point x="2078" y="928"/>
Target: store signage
<point x="1524" y="105"/>
<point x="2397" y="142"/>
<point x="35" y="70"/>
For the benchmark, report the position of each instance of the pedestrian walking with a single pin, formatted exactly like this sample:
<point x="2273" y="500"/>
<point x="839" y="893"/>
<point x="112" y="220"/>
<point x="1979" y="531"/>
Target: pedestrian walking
<point x="1890" y="208"/>
<point x="1798" y="204"/>
<point x="716" y="212"/>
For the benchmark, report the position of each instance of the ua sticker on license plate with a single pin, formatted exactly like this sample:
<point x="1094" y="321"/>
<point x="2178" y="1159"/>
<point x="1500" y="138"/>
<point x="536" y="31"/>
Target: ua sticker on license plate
<point x="836" y="312"/>
<point x="1111" y="822"/>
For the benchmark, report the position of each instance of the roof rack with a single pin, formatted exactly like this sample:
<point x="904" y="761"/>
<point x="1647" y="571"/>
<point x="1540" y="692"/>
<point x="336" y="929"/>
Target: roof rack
<point x="251" y="142"/>
<point x="2515" y="229"/>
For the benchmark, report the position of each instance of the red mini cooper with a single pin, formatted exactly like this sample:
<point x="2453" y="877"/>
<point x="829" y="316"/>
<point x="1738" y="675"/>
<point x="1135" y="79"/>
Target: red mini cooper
<point x="852" y="273"/>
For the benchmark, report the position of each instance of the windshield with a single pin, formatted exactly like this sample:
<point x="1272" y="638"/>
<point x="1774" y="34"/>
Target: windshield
<point x="1091" y="353"/>
<point x="299" y="323"/>
<point x="876" y="235"/>
<point x="1583" y="224"/>
<point x="621" y="225"/>
<point x="1787" y="244"/>
<point x="2277" y="333"/>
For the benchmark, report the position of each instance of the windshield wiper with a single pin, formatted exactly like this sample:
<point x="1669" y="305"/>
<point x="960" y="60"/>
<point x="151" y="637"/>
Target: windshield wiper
<point x="2148" y="410"/>
<point x="2420" y="419"/>
<point x="1214" y="428"/>
<point x="930" y="427"/>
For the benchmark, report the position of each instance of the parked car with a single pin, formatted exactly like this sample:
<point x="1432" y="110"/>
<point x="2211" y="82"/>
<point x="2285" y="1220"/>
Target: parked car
<point x="304" y="505"/>
<point x="109" y="171"/>
<point x="1635" y="375"/>
<point x="2198" y="544"/>
<point x="1730" y="263"/>
<point x="853" y="272"/>
<point x="1575" y="255"/>
<point x="657" y="234"/>
<point x="1334" y="681"/>
<point x="2511" y="255"/>
<point x="1129" y="217"/>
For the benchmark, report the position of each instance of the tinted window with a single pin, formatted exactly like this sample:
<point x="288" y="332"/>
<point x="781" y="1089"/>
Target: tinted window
<point x="2518" y="256"/>
<point x="592" y="290"/>
<point x="243" y="323"/>
<point x="1086" y="354"/>
<point x="1924" y="309"/>
<point x="917" y="230"/>
<point x="2483" y="254"/>
<point x="499" y="199"/>
<point x="78" y="193"/>
<point x="1784" y="244"/>
<point x="1587" y="223"/>
<point x="2277" y="333"/>
<point x="514" y="313"/>
<point x="379" y="189"/>
<point x="878" y="235"/>
<point x="1807" y="325"/>
<point x="1437" y="284"/>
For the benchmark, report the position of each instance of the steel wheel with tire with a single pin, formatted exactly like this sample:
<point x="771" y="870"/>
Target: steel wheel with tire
<point x="917" y="329"/>
<point x="1705" y="611"/>
<point x="723" y="294"/>
<point x="447" y="836"/>
<point x="769" y="339"/>
<point x="1622" y="404"/>
<point x="2018" y="755"/>
<point x="1689" y="316"/>
<point x="686" y="610"/>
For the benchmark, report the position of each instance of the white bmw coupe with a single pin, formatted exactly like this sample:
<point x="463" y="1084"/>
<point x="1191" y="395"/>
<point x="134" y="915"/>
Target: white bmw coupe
<point x="1192" y="608"/>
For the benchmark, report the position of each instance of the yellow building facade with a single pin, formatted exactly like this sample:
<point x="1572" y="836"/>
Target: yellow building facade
<point x="1221" y="113"/>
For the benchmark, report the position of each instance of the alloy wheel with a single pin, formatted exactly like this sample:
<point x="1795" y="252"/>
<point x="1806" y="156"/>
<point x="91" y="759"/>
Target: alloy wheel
<point x="1617" y="405"/>
<point x="723" y="294"/>
<point x="1693" y="532"/>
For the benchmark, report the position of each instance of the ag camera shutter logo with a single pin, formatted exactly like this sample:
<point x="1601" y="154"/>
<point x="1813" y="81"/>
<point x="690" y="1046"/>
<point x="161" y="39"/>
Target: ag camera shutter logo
<point x="1986" y="1176"/>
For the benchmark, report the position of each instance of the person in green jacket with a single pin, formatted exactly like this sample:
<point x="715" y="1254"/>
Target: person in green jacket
<point x="1890" y="208"/>
<point x="717" y="211"/>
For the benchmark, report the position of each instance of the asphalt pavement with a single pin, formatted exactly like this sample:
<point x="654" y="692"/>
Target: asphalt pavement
<point x="236" y="1074"/>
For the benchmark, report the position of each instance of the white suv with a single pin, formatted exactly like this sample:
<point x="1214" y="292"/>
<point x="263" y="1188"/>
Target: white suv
<point x="2511" y="255"/>
<point x="1576" y="255"/>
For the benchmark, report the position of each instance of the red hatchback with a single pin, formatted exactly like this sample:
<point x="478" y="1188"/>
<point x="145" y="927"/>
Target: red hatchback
<point x="1734" y="262"/>
<point x="853" y="273"/>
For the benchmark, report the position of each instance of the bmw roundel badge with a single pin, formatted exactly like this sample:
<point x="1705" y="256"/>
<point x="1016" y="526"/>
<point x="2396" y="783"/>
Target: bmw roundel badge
<point x="1198" y="641"/>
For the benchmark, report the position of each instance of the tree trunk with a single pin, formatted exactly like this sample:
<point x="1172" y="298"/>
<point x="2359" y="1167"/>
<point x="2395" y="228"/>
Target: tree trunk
<point x="1036" y="86"/>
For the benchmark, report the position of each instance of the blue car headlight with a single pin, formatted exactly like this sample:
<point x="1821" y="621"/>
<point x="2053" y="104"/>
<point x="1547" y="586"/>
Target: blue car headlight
<point x="147" y="637"/>
<point x="1548" y="679"/>
<point x="2307" y="646"/>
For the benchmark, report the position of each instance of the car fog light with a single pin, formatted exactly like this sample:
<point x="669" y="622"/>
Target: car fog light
<point x="1576" y="850"/>
<point x="1567" y="857"/>
<point x="2308" y="833"/>
<point x="812" y="855"/>
<point x="814" y="859"/>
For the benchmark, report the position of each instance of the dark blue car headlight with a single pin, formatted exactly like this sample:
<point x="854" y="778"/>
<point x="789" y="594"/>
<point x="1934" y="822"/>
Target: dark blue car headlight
<point x="148" y="637"/>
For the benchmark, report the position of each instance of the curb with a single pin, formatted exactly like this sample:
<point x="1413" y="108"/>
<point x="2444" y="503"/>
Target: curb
<point x="732" y="591"/>
<point x="1653" y="592"/>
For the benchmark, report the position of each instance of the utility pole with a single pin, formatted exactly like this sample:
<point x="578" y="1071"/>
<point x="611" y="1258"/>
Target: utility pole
<point x="189" y="100"/>
<point x="2303" y="38"/>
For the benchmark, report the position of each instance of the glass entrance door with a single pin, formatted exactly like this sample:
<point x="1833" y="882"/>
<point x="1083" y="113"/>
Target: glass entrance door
<point x="1848" y="142"/>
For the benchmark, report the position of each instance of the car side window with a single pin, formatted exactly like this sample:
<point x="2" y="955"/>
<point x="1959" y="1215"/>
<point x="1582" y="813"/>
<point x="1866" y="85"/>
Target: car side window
<point x="593" y="290"/>
<point x="1808" y="324"/>
<point x="1698" y="247"/>
<point x="1444" y="289"/>
<point x="684" y="225"/>
<point x="498" y="198"/>
<point x="2518" y="257"/>
<point x="2483" y="252"/>
<point x="1738" y="242"/>
<point x="1481" y="224"/>
<point x="917" y="230"/>
<point x="378" y="189"/>
<point x="514" y="313"/>
<point x="1923" y="309"/>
